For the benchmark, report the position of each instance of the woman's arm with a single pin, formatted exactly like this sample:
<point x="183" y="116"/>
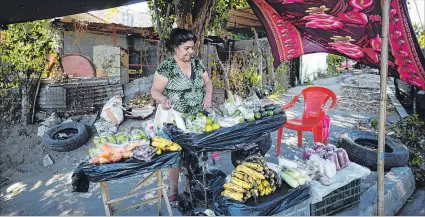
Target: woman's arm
<point x="159" y="84"/>
<point x="208" y="90"/>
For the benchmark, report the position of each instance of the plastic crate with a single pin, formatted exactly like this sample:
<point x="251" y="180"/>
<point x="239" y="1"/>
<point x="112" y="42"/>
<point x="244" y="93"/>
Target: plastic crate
<point x="301" y="209"/>
<point x="338" y="200"/>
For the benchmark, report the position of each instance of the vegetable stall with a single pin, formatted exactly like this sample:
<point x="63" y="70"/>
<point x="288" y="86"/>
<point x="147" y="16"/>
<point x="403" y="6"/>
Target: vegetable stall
<point x="254" y="187"/>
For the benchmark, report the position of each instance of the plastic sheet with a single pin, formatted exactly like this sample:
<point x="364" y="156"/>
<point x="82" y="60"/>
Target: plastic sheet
<point x="225" y="139"/>
<point x="86" y="172"/>
<point x="282" y="199"/>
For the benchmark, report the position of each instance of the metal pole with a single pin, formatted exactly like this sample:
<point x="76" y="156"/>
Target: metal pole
<point x="383" y="105"/>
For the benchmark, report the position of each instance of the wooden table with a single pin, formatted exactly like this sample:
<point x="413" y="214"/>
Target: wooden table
<point x="111" y="205"/>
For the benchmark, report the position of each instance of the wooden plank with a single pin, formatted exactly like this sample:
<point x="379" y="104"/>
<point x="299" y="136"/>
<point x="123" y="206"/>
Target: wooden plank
<point x="243" y="14"/>
<point x="159" y="179"/>
<point x="105" y="197"/>
<point x="120" y="199"/>
<point x="137" y="187"/>
<point x="137" y="204"/>
<point x="167" y="202"/>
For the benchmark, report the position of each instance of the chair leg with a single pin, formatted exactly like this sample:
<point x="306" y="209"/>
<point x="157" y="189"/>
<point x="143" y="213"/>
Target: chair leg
<point x="279" y="140"/>
<point x="318" y="133"/>
<point x="300" y="138"/>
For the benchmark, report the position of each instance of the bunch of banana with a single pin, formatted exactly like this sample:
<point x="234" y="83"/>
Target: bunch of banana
<point x="165" y="145"/>
<point x="252" y="178"/>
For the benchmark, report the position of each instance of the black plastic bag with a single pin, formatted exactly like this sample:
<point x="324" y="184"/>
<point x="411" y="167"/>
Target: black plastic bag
<point x="225" y="139"/>
<point x="282" y="199"/>
<point x="87" y="172"/>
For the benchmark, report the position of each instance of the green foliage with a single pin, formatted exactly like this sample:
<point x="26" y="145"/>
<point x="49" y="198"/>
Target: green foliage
<point x="23" y="51"/>
<point x="220" y="13"/>
<point x="334" y="61"/>
<point x="218" y="19"/>
<point x="411" y="132"/>
<point x="420" y="34"/>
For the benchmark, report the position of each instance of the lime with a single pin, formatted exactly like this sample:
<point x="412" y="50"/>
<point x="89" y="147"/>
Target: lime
<point x="216" y="126"/>
<point x="200" y="115"/>
<point x="208" y="128"/>
<point x="210" y="121"/>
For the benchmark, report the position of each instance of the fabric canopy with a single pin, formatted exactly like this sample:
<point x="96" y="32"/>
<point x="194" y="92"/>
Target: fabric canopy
<point x="19" y="11"/>
<point x="349" y="28"/>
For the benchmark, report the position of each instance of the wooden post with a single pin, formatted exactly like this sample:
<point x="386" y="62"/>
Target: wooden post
<point x="260" y="58"/>
<point x="104" y="190"/>
<point x="383" y="105"/>
<point x="159" y="178"/>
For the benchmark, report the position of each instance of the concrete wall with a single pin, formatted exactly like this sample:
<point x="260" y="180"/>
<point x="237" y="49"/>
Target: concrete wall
<point x="312" y="65"/>
<point x="84" y="42"/>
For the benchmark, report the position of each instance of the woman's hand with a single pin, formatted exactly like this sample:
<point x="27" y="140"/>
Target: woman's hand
<point x="207" y="102"/>
<point x="166" y="104"/>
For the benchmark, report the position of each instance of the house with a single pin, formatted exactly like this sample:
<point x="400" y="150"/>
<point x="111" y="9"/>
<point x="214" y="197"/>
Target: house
<point x="81" y="33"/>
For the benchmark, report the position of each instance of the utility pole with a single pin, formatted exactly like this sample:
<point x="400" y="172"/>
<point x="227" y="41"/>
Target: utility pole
<point x="383" y="105"/>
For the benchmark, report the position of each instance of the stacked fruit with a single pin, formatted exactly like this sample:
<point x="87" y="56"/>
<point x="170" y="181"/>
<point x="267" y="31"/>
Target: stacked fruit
<point x="211" y="125"/>
<point x="163" y="145"/>
<point x="252" y="178"/>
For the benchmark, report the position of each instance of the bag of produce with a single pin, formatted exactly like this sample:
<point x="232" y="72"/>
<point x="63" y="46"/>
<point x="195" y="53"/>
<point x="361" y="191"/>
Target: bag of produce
<point x="342" y="158"/>
<point x="329" y="168"/>
<point x="307" y="153"/>
<point x="112" y="111"/>
<point x="334" y="158"/>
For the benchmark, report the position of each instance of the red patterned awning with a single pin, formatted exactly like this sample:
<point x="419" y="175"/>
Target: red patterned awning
<point x="349" y="28"/>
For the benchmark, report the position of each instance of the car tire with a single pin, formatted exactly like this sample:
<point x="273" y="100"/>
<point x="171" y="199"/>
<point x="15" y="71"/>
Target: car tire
<point x="354" y="143"/>
<point x="61" y="145"/>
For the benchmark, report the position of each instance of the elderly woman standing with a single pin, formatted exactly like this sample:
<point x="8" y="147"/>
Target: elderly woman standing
<point x="182" y="83"/>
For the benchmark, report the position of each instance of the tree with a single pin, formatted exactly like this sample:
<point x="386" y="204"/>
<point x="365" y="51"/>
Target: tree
<point x="24" y="50"/>
<point x="198" y="16"/>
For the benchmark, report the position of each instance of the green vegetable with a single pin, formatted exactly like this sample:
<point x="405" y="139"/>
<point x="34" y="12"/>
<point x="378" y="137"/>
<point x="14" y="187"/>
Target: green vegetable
<point x="263" y="114"/>
<point x="257" y="115"/>
<point x="103" y="139"/>
<point x="301" y="181"/>
<point x="112" y="139"/>
<point x="289" y="180"/>
<point x="92" y="152"/>
<point x="97" y="141"/>
<point x="236" y="113"/>
<point x="293" y="173"/>
<point x="122" y="139"/>
<point x="269" y="113"/>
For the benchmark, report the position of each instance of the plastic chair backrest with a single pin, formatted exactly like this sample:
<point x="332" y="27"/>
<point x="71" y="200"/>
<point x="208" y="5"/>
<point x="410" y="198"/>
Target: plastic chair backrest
<point x="315" y="99"/>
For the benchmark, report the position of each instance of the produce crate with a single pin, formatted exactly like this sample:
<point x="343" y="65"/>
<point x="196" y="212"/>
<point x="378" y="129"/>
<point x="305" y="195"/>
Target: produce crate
<point x="338" y="200"/>
<point x="301" y="209"/>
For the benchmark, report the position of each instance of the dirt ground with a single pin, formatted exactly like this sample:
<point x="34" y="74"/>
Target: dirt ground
<point x="22" y="154"/>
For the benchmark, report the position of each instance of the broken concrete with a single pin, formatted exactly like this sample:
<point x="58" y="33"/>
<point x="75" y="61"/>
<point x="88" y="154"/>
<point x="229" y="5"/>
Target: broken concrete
<point x="47" y="161"/>
<point x="42" y="130"/>
<point x="52" y="120"/>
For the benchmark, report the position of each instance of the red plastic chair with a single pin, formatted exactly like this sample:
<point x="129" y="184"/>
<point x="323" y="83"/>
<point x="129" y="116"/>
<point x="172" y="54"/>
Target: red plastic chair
<point x="315" y="99"/>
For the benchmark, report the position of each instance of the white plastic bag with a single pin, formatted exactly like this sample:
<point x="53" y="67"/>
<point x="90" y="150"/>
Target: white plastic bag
<point x="112" y="111"/>
<point x="163" y="116"/>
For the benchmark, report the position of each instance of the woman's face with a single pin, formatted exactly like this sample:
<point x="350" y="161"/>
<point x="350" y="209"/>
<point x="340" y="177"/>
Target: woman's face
<point x="185" y="51"/>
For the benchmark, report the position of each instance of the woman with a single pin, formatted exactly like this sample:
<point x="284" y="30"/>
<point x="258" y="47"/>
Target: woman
<point x="182" y="83"/>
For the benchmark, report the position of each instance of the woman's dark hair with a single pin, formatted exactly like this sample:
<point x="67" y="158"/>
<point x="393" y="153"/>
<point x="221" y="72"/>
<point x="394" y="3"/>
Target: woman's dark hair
<point x="179" y="36"/>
